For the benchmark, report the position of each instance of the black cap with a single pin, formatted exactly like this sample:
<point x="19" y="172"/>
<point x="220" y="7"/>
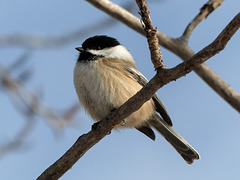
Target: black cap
<point x="99" y="42"/>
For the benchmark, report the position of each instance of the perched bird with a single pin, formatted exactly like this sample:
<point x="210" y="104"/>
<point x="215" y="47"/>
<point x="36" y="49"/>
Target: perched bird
<point x="105" y="77"/>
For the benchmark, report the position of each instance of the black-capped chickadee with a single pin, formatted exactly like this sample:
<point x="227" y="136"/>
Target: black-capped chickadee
<point x="105" y="77"/>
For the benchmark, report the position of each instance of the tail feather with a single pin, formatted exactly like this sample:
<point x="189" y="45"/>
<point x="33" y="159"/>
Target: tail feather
<point x="187" y="152"/>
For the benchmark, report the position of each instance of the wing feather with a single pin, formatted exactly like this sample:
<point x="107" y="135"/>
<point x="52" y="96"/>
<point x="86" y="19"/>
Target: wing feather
<point x="160" y="108"/>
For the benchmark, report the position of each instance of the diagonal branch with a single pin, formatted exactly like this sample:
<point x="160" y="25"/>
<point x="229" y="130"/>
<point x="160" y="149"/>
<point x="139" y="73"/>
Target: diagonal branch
<point x="86" y="141"/>
<point x="207" y="9"/>
<point x="177" y="46"/>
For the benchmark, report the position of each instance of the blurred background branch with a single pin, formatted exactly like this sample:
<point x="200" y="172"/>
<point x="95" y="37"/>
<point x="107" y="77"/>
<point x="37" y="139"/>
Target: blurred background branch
<point x="38" y="41"/>
<point x="29" y="104"/>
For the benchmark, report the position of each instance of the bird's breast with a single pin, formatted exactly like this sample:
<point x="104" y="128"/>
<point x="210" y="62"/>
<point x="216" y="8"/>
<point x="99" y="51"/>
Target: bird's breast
<point x="103" y="85"/>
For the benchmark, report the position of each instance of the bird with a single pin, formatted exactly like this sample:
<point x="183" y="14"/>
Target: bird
<point x="105" y="77"/>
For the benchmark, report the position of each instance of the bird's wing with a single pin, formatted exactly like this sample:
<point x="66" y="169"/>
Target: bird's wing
<point x="145" y="129"/>
<point x="163" y="126"/>
<point x="160" y="108"/>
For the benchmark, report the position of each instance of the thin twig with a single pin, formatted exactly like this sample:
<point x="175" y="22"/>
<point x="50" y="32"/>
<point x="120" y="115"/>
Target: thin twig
<point x="86" y="141"/>
<point x="156" y="54"/>
<point x="206" y="9"/>
<point x="212" y="49"/>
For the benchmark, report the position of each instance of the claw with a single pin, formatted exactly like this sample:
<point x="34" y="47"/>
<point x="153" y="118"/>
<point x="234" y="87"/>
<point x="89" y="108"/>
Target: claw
<point x="112" y="109"/>
<point x="94" y="126"/>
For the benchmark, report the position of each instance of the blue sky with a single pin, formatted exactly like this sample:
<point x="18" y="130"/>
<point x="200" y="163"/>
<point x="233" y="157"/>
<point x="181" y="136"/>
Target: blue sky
<point x="204" y="119"/>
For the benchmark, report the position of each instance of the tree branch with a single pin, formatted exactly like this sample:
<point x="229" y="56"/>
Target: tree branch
<point x="177" y="46"/>
<point x="207" y="9"/>
<point x="156" y="54"/>
<point x="86" y="141"/>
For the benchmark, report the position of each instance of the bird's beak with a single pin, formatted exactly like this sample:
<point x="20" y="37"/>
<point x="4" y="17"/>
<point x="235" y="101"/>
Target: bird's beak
<point x="80" y="49"/>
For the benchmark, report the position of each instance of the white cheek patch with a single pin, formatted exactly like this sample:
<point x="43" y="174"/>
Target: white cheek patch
<point x="119" y="52"/>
